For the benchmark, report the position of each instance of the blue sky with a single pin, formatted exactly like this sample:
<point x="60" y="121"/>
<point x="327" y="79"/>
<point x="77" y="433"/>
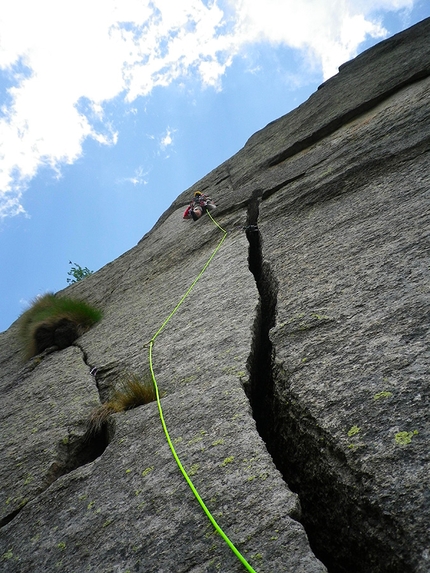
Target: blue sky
<point x="111" y="108"/>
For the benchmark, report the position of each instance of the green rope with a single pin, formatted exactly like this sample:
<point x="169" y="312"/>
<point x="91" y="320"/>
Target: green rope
<point x="194" y="282"/>
<point x="163" y="423"/>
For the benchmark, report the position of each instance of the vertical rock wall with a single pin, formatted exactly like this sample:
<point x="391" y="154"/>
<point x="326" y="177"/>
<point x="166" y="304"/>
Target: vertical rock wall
<point x="294" y="378"/>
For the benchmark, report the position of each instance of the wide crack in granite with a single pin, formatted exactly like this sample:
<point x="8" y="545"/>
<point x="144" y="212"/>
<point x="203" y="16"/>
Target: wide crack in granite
<point x="347" y="531"/>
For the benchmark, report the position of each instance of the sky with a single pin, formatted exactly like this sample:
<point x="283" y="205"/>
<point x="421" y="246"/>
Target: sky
<point x="109" y="109"/>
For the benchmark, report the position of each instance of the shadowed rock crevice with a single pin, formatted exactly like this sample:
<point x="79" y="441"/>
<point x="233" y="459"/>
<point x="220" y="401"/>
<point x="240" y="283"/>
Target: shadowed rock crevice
<point x="94" y="371"/>
<point x="347" y="532"/>
<point x="76" y="451"/>
<point x="73" y="452"/>
<point x="11" y="516"/>
<point x="61" y="334"/>
<point x="104" y="376"/>
<point x="259" y="388"/>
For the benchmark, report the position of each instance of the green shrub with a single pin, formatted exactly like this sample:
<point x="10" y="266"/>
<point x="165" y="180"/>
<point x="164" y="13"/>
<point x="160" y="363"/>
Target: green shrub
<point x="132" y="391"/>
<point x="55" y="321"/>
<point x="78" y="273"/>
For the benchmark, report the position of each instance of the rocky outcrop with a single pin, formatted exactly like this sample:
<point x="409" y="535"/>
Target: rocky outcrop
<point x="294" y="377"/>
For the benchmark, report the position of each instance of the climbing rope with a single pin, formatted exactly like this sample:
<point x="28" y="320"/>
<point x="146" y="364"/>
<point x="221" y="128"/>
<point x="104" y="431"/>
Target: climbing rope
<point x="163" y="423"/>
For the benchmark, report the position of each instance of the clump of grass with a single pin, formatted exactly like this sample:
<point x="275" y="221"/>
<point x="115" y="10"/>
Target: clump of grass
<point x="132" y="391"/>
<point x="55" y="321"/>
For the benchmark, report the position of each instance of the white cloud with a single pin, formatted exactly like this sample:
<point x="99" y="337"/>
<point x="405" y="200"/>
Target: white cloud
<point x="139" y="177"/>
<point x="94" y="50"/>
<point x="167" y="138"/>
<point x="328" y="31"/>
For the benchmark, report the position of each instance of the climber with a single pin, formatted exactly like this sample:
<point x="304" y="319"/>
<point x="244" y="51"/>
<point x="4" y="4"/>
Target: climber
<point x="199" y="205"/>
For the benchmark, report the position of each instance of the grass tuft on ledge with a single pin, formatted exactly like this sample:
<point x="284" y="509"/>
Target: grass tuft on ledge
<point x="132" y="391"/>
<point x="54" y="321"/>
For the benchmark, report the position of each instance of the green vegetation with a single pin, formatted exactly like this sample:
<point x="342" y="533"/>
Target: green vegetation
<point x="132" y="391"/>
<point x="353" y="431"/>
<point x="383" y="394"/>
<point x="7" y="555"/>
<point x="404" y="438"/>
<point x="78" y="273"/>
<point x="193" y="469"/>
<point x="54" y="321"/>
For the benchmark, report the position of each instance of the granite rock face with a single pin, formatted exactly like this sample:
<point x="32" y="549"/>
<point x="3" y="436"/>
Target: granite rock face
<point x="294" y="377"/>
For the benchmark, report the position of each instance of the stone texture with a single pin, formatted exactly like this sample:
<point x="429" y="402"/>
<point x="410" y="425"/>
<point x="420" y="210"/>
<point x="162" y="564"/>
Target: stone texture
<point x="45" y="410"/>
<point x="351" y="336"/>
<point x="301" y="353"/>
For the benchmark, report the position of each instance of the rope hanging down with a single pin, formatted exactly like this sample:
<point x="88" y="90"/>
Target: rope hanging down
<point x="163" y="423"/>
